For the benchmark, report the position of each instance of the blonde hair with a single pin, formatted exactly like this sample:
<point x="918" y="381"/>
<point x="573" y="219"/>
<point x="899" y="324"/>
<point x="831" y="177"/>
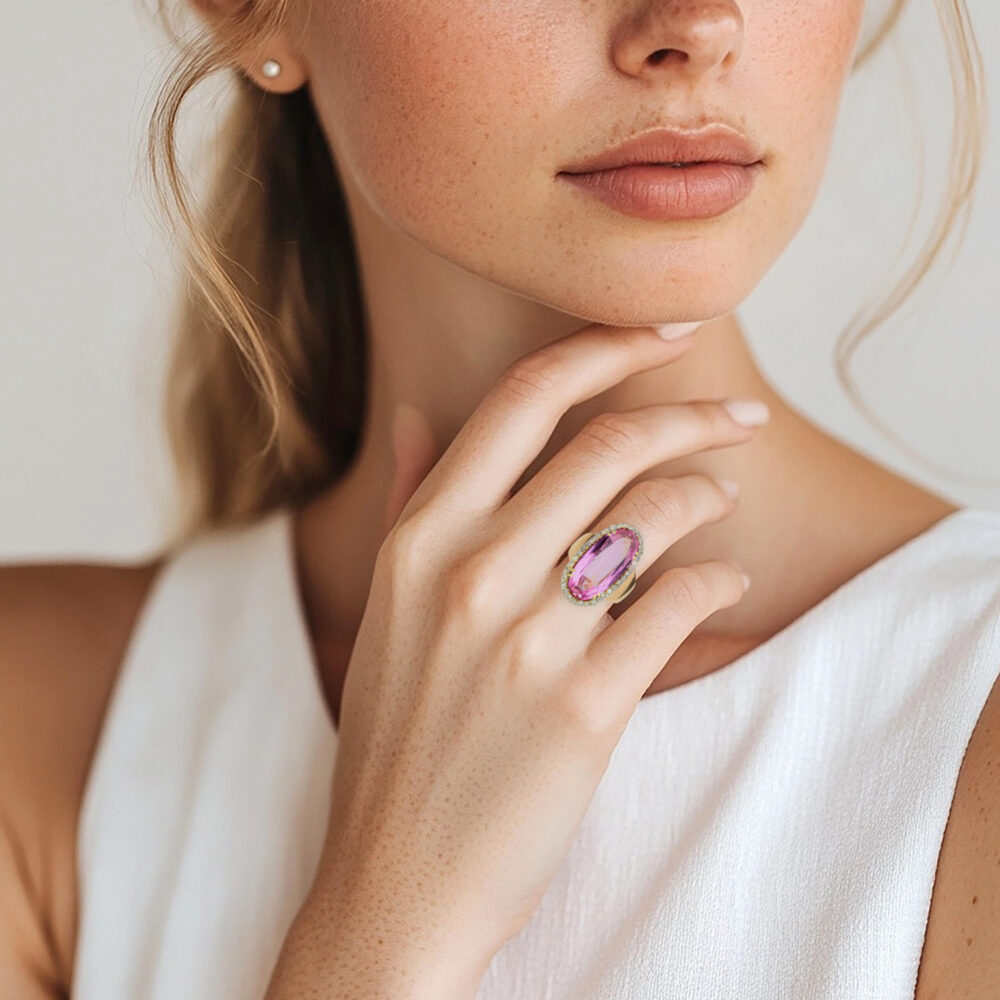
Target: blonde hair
<point x="264" y="395"/>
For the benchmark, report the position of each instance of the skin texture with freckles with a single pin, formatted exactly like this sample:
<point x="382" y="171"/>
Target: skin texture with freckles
<point x="449" y="121"/>
<point x="452" y="119"/>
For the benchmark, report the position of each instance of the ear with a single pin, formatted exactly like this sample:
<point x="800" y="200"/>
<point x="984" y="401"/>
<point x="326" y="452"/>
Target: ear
<point x="273" y="63"/>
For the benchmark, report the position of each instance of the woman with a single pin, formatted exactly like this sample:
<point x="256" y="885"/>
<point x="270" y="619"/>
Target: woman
<point x="451" y="685"/>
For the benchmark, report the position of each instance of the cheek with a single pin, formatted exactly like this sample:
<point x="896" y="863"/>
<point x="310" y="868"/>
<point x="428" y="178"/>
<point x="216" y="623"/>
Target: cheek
<point x="804" y="50"/>
<point x="425" y="101"/>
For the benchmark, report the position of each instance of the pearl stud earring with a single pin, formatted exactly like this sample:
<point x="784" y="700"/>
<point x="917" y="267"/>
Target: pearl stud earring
<point x="271" y="68"/>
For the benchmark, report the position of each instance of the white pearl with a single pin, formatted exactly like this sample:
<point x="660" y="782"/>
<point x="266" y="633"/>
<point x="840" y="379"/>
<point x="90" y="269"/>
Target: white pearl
<point x="271" y="68"/>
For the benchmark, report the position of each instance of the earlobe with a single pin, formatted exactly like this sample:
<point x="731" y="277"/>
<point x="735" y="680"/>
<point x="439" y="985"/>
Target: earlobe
<point x="274" y="67"/>
<point x="272" y="64"/>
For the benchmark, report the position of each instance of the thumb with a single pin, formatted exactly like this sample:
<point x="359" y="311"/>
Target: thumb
<point x="414" y="455"/>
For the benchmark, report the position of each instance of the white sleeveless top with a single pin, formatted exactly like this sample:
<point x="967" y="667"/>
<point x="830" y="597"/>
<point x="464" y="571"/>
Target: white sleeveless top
<point x="769" y="831"/>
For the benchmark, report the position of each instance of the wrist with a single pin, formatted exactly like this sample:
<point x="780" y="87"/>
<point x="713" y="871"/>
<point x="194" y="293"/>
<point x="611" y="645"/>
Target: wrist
<point x="348" y="945"/>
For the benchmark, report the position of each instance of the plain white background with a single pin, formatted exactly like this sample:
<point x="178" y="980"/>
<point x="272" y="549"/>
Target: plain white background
<point x="85" y="276"/>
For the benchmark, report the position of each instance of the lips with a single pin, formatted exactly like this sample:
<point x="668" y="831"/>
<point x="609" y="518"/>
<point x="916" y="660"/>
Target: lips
<point x="715" y="144"/>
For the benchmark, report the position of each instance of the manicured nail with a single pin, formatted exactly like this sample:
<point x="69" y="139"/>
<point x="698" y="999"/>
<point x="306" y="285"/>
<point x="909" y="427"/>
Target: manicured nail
<point x="674" y="331"/>
<point x="731" y="488"/>
<point x="748" y="412"/>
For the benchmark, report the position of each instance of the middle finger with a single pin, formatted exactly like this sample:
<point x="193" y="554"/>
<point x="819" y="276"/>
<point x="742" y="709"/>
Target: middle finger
<point x="563" y="498"/>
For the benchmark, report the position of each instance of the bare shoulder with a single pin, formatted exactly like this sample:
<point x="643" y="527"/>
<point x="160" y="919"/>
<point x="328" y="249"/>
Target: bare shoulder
<point x="961" y="955"/>
<point x="64" y="629"/>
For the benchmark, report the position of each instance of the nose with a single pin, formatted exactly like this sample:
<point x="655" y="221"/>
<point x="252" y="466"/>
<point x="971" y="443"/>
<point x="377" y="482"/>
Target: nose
<point x="678" y="37"/>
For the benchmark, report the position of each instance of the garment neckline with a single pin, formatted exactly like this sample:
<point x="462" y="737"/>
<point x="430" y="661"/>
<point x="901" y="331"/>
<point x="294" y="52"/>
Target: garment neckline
<point x="721" y="675"/>
<point x="738" y="666"/>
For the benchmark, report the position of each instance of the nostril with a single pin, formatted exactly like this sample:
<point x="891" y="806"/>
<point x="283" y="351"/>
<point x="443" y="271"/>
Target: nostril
<point x="662" y="54"/>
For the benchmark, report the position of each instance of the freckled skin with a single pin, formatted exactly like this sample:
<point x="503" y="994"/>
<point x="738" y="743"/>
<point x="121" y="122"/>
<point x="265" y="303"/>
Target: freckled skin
<point x="452" y="118"/>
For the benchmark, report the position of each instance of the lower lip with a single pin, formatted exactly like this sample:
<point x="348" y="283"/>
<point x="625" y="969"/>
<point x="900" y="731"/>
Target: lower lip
<point x="652" y="191"/>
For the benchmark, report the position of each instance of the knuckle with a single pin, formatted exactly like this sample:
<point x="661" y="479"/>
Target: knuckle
<point x="612" y="437"/>
<point x="531" y="378"/>
<point x="527" y="646"/>
<point x="689" y="592"/>
<point x="404" y="546"/>
<point x="660" y="504"/>
<point x="585" y="707"/>
<point x="470" y="587"/>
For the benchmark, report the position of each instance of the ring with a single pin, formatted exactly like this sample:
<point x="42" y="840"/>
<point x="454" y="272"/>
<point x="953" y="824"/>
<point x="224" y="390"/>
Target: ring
<point x="602" y="565"/>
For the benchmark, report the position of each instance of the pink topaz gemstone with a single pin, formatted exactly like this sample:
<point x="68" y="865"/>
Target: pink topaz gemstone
<point x="605" y="562"/>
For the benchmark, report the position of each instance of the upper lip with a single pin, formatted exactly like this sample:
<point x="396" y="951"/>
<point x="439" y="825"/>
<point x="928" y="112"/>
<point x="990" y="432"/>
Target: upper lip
<point x="717" y="143"/>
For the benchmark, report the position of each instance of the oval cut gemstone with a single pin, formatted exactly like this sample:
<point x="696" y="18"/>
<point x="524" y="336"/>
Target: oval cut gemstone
<point x="601" y="565"/>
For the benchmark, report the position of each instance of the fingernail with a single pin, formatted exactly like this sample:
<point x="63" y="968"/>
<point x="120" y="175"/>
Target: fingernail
<point x="731" y="488"/>
<point x="674" y="331"/>
<point x="746" y="580"/>
<point x="748" y="412"/>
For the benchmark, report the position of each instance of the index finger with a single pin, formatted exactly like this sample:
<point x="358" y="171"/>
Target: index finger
<point x="507" y="430"/>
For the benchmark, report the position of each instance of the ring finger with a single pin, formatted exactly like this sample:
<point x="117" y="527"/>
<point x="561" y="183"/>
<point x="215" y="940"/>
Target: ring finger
<point x="662" y="510"/>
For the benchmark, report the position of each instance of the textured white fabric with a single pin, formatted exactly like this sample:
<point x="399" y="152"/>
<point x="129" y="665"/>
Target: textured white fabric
<point x="769" y="831"/>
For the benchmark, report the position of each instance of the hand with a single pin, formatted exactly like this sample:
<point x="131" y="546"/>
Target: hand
<point x="481" y="707"/>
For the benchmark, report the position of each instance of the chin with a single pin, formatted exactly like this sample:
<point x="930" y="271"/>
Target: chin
<point x="669" y="275"/>
<point x="663" y="296"/>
